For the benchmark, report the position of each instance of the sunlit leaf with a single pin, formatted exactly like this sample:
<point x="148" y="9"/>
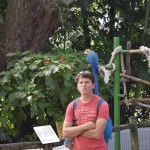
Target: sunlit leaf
<point x="17" y="95"/>
<point x="13" y="54"/>
<point x="37" y="61"/>
<point x="26" y="58"/>
<point x="3" y="120"/>
<point x="26" y="53"/>
<point x="32" y="66"/>
<point x="17" y="75"/>
<point x="51" y="70"/>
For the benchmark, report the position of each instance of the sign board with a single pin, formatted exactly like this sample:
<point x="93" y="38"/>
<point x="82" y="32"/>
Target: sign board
<point x="46" y="134"/>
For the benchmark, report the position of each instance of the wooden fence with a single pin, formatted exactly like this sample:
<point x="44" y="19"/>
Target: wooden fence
<point x="133" y="126"/>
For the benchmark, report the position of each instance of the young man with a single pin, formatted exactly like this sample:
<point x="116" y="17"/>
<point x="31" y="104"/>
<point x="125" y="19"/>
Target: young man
<point x="88" y="132"/>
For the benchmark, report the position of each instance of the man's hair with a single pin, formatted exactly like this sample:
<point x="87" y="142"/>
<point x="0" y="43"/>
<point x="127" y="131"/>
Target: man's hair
<point x="85" y="74"/>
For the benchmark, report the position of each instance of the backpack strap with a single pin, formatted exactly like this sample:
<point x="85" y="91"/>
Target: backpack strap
<point x="75" y="103"/>
<point x="108" y="128"/>
<point x="100" y="101"/>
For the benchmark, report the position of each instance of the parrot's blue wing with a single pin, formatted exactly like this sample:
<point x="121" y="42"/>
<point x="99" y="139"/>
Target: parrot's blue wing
<point x="92" y="58"/>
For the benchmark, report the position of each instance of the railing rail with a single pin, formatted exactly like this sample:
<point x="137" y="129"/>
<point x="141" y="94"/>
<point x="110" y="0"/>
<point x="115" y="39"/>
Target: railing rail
<point x="132" y="125"/>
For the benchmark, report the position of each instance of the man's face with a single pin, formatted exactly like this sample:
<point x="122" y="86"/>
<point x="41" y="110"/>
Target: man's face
<point x="85" y="85"/>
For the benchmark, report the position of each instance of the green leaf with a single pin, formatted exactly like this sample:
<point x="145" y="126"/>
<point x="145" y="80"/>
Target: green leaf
<point x="13" y="54"/>
<point x="51" y="70"/>
<point x="2" y="93"/>
<point x="33" y="109"/>
<point x="12" y="63"/>
<point x="50" y="82"/>
<point x="26" y="58"/>
<point x="20" y="67"/>
<point x="49" y="112"/>
<point x="3" y="120"/>
<point x="26" y="53"/>
<point x="32" y="66"/>
<point x="4" y="80"/>
<point x="17" y="75"/>
<point x="23" y="103"/>
<point x="42" y="105"/>
<point x="40" y="95"/>
<point x="37" y="61"/>
<point x="35" y="92"/>
<point x="17" y="95"/>
<point x="39" y="74"/>
<point x="20" y="116"/>
<point x="2" y="73"/>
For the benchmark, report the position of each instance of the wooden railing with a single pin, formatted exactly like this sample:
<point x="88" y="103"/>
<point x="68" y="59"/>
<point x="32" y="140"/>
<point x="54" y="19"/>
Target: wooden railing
<point x="133" y="126"/>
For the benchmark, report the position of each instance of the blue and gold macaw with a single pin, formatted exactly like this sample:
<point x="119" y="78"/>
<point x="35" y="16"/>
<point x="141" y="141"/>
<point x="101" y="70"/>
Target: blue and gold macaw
<point x="92" y="58"/>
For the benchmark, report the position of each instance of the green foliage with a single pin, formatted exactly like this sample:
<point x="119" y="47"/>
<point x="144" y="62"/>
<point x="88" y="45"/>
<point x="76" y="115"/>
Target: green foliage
<point x="3" y="6"/>
<point x="4" y="136"/>
<point x="104" y="20"/>
<point x="37" y="89"/>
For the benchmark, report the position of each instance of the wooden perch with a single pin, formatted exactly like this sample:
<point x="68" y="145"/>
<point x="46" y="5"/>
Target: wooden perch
<point x="135" y="100"/>
<point x="134" y="51"/>
<point x="134" y="79"/>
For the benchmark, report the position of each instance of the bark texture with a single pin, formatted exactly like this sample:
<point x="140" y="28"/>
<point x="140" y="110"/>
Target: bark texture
<point x="28" y="24"/>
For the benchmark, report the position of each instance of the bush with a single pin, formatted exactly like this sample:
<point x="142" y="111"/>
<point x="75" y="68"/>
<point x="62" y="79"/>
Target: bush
<point x="36" y="89"/>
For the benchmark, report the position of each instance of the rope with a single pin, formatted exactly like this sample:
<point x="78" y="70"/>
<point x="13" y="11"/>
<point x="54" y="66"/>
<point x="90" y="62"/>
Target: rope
<point x="116" y="50"/>
<point x="106" y="73"/>
<point x="113" y="67"/>
<point x="146" y="52"/>
<point x="124" y="82"/>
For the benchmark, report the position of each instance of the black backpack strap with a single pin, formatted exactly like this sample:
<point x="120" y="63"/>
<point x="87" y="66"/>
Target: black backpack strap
<point x="75" y="103"/>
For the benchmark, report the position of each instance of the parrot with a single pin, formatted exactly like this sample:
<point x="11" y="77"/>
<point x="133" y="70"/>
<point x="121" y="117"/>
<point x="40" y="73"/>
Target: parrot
<point x="92" y="59"/>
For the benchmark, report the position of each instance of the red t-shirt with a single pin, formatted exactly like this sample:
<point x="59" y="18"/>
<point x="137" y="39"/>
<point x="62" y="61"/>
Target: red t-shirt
<point x="86" y="112"/>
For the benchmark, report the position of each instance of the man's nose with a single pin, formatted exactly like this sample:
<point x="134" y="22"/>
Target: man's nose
<point x="84" y="84"/>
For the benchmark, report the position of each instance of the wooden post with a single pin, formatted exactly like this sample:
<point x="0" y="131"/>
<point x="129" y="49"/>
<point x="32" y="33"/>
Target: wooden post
<point x="128" y="59"/>
<point x="134" y="133"/>
<point x="48" y="147"/>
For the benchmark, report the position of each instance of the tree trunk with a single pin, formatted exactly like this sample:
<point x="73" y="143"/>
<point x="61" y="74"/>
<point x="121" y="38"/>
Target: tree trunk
<point x="28" y="24"/>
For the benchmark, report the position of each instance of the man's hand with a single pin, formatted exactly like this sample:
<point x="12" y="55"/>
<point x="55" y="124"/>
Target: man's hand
<point x="97" y="131"/>
<point x="89" y="125"/>
<point x="72" y="131"/>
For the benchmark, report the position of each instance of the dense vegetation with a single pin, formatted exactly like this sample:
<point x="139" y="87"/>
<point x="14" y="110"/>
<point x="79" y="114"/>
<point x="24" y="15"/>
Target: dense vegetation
<point x="36" y="88"/>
